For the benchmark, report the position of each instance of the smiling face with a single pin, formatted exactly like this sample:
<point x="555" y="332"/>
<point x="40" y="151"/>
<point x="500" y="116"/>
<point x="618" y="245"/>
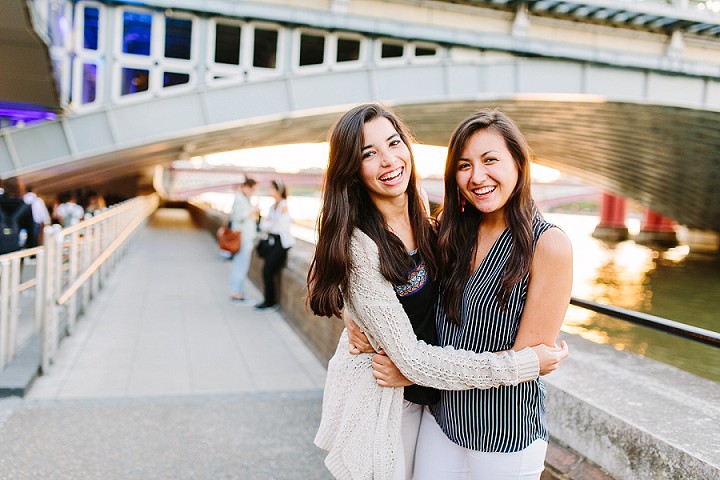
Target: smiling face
<point x="486" y="172"/>
<point x="386" y="161"/>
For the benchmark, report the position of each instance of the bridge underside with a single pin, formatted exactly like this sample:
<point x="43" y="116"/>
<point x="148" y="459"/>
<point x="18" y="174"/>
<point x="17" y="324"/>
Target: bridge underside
<point x="663" y="157"/>
<point x="26" y="76"/>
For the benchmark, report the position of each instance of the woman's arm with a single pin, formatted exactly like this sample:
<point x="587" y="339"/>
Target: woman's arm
<point x="549" y="290"/>
<point x="388" y="375"/>
<point x="372" y="302"/>
<point x="357" y="340"/>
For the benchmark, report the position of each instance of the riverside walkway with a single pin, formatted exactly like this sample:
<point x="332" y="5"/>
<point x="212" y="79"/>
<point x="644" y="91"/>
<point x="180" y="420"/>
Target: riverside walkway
<point x="164" y="378"/>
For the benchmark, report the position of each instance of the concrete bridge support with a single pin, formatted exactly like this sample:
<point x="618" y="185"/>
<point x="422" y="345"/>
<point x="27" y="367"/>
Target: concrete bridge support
<point x="612" y="219"/>
<point x="657" y="230"/>
<point x="702" y="241"/>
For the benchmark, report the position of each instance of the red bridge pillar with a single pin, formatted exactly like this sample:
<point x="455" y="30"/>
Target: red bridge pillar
<point x="657" y="230"/>
<point x="612" y="219"/>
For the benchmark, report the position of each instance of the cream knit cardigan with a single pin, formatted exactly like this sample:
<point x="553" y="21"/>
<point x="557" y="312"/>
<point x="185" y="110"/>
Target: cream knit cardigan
<point x="360" y="424"/>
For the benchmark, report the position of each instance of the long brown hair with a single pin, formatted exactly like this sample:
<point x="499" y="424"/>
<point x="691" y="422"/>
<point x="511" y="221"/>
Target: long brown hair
<point x="346" y="205"/>
<point x="458" y="232"/>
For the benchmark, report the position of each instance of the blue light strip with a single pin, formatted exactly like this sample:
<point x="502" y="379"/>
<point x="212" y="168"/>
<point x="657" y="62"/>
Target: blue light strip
<point x="25" y="113"/>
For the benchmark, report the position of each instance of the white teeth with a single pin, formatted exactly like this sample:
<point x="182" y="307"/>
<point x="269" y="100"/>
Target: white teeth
<point x="483" y="190"/>
<point x="391" y="175"/>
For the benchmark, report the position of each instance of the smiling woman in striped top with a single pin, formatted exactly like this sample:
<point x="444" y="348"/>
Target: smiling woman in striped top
<point x="507" y="281"/>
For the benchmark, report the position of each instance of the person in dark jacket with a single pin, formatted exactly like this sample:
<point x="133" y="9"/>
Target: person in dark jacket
<point x="10" y="202"/>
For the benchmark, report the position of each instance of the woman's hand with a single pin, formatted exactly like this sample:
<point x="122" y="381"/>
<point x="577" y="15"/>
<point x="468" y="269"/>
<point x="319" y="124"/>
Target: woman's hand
<point x="550" y="357"/>
<point x="386" y="373"/>
<point x="356" y="338"/>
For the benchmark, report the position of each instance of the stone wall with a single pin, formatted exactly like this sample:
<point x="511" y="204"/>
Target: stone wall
<point x="321" y="334"/>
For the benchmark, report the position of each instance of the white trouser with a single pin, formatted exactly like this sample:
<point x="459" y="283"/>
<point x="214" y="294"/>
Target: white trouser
<point x="438" y="457"/>
<point x="412" y="414"/>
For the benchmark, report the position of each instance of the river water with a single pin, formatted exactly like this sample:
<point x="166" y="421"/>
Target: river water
<point x="669" y="283"/>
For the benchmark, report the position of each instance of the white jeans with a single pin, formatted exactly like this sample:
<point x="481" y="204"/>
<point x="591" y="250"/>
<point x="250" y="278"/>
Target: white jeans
<point x="438" y="457"/>
<point x="412" y="414"/>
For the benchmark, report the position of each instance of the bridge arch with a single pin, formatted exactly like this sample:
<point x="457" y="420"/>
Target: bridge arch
<point x="584" y="110"/>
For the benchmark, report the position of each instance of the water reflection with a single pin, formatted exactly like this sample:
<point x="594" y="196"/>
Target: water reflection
<point x="670" y="283"/>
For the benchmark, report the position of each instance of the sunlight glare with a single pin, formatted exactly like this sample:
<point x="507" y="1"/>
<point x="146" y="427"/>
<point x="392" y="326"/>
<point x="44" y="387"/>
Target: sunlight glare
<point x="429" y="159"/>
<point x="543" y="174"/>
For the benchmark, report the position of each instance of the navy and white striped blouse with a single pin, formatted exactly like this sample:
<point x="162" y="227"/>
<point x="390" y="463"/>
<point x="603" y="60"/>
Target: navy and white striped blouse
<point x="504" y="419"/>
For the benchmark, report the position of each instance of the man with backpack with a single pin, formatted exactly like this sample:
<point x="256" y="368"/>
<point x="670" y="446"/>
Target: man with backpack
<point x="15" y="216"/>
<point x="40" y="215"/>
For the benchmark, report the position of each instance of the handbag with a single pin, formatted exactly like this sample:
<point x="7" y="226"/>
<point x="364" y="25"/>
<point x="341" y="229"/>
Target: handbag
<point x="264" y="246"/>
<point x="229" y="240"/>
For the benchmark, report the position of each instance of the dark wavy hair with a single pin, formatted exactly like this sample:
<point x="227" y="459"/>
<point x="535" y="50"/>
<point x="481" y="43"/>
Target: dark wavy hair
<point x="346" y="205"/>
<point x="458" y="231"/>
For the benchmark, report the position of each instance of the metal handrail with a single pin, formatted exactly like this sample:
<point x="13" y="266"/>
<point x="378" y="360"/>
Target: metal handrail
<point x="92" y="268"/>
<point x="691" y="332"/>
<point x="70" y="267"/>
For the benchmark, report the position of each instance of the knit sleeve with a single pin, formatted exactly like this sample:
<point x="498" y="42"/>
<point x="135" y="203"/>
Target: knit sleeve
<point x="375" y="307"/>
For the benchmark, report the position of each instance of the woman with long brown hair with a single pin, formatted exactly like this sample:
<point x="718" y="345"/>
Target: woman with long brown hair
<point x="375" y="256"/>
<point x="507" y="277"/>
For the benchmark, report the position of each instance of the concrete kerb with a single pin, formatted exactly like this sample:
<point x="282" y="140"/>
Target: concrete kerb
<point x="635" y="417"/>
<point x="16" y="378"/>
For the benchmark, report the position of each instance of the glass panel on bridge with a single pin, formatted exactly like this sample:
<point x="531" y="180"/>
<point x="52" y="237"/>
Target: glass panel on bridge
<point x="134" y="80"/>
<point x="227" y="44"/>
<point x="423" y="51"/>
<point x="312" y="49"/>
<point x="392" y="50"/>
<point x="137" y="30"/>
<point x="348" y="50"/>
<point x="174" y="78"/>
<point x="178" y="38"/>
<point x="89" y="83"/>
<point x="265" y="48"/>
<point x="91" y="21"/>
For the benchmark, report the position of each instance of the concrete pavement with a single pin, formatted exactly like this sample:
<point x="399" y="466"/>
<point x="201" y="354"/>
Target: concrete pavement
<point x="165" y="378"/>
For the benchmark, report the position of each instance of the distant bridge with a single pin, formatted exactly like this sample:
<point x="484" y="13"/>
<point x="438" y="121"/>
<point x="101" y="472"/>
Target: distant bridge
<point x="179" y="184"/>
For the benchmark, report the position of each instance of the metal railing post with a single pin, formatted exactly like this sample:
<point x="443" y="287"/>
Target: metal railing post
<point x="106" y="266"/>
<point x="14" y="308"/>
<point x="53" y="265"/>
<point x="96" y="251"/>
<point x="74" y="259"/>
<point x="4" y="309"/>
<point x="40" y="286"/>
<point x="86" y="261"/>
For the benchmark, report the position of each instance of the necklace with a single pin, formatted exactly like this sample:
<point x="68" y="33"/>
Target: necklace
<point x="405" y="226"/>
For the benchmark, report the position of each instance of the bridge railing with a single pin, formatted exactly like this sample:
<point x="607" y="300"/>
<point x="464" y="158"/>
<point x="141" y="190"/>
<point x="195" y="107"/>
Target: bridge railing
<point x="61" y="277"/>
<point x="691" y="332"/>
